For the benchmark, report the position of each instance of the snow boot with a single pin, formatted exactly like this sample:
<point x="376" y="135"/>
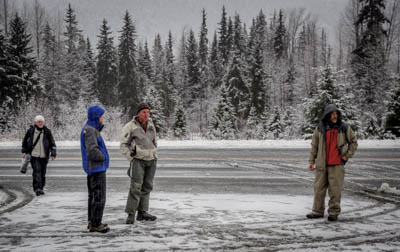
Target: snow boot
<point x="131" y="219"/>
<point x="142" y="215"/>
<point x="101" y="229"/>
<point x="314" y="216"/>
<point x="332" y="218"/>
<point x="89" y="225"/>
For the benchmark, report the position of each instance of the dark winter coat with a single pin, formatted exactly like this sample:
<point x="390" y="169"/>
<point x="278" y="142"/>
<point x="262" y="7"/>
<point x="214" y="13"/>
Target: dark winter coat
<point x="346" y="139"/>
<point x="48" y="142"/>
<point x="95" y="156"/>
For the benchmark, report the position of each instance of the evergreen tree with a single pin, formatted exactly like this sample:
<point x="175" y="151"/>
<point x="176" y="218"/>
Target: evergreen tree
<point x="215" y="63"/>
<point x="154" y="99"/>
<point x="257" y="126"/>
<point x="106" y="67"/>
<point x="280" y="38"/>
<point x="127" y="68"/>
<point x="236" y="88"/>
<point x="275" y="126"/>
<point x="223" y="121"/>
<point x="223" y="45"/>
<point x="193" y="69"/>
<point x="74" y="63"/>
<point x="89" y="70"/>
<point x="179" y="126"/>
<point x="368" y="62"/>
<point x="170" y="85"/>
<point x="203" y="41"/>
<point x="289" y="85"/>
<point x="392" y="123"/>
<point x="19" y="69"/>
<point x="259" y="98"/>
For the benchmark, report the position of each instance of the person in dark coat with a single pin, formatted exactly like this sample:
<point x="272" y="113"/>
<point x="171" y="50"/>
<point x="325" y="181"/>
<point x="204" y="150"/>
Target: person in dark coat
<point x="95" y="162"/>
<point x="39" y="143"/>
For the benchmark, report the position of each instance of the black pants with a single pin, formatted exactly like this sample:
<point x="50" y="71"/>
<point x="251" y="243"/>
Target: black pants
<point x="96" y="184"/>
<point x="39" y="167"/>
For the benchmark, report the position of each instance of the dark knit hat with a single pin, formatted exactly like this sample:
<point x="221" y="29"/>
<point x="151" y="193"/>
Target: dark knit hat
<point x="141" y="107"/>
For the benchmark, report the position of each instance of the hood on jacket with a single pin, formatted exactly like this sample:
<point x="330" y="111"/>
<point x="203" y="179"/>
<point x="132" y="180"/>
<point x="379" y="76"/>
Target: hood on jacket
<point x="94" y="114"/>
<point x="328" y="110"/>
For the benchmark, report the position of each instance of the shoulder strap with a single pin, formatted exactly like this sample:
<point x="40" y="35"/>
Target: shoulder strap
<point x="36" y="141"/>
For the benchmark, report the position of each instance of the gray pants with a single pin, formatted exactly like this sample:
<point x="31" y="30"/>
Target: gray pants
<point x="141" y="185"/>
<point x="331" y="179"/>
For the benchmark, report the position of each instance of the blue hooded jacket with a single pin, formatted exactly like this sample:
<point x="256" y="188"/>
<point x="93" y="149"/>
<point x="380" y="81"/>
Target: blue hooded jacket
<point x="94" y="114"/>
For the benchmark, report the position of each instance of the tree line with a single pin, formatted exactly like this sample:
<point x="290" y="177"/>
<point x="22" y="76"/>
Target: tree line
<point x="268" y="79"/>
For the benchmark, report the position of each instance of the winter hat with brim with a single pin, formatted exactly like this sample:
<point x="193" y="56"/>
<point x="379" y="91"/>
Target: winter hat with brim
<point x="141" y="107"/>
<point x="38" y="118"/>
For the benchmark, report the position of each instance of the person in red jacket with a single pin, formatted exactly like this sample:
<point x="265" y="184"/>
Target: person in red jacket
<point x="333" y="143"/>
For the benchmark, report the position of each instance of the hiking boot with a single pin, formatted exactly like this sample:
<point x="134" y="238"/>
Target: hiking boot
<point x="101" y="229"/>
<point x="332" y="218"/>
<point x="314" y="216"/>
<point x="145" y="216"/>
<point x="89" y="225"/>
<point x="131" y="219"/>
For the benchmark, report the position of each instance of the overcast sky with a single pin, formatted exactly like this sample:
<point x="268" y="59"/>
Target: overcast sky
<point x="158" y="16"/>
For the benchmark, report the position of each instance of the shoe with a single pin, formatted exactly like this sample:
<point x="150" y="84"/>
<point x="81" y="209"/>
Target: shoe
<point x="89" y="225"/>
<point x="41" y="192"/>
<point x="131" y="219"/>
<point x="145" y="216"/>
<point x="38" y="193"/>
<point x="101" y="229"/>
<point x="314" y="216"/>
<point x="332" y="218"/>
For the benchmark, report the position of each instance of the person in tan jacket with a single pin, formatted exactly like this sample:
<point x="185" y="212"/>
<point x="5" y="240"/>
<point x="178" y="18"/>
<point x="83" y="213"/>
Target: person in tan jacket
<point x="333" y="143"/>
<point x="138" y="144"/>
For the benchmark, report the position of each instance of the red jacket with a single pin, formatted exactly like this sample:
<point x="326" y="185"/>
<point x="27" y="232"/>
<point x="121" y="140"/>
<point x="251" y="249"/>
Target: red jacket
<point x="332" y="152"/>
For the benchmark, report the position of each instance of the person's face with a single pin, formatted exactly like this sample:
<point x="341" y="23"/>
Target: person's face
<point x="144" y="115"/>
<point x="334" y="116"/>
<point x="40" y="124"/>
<point x="101" y="119"/>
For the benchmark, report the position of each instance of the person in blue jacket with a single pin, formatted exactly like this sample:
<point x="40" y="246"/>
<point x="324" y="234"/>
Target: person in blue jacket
<point x="95" y="162"/>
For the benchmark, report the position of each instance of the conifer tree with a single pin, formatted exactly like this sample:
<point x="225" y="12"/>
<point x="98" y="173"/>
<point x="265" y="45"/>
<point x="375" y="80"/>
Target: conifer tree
<point x="392" y="123"/>
<point x="106" y="67"/>
<point x="275" y="126"/>
<point x="154" y="99"/>
<point x="223" y="43"/>
<point x="193" y="69"/>
<point x="280" y="37"/>
<point x="179" y="126"/>
<point x="223" y="121"/>
<point x="127" y="68"/>
<point x="20" y="67"/>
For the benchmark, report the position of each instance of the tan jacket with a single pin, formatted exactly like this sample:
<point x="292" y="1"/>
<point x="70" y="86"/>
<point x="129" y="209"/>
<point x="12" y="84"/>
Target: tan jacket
<point x="346" y="143"/>
<point x="138" y="144"/>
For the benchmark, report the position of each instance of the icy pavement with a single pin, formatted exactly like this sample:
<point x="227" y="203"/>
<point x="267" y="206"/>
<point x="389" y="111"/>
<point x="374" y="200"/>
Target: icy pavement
<point x="201" y="222"/>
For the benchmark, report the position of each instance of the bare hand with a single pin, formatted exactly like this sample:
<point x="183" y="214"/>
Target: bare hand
<point x="344" y="158"/>
<point x="23" y="155"/>
<point x="52" y="158"/>
<point x="311" y="167"/>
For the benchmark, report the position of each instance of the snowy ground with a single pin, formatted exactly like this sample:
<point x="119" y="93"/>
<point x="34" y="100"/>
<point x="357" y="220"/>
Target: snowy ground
<point x="241" y="222"/>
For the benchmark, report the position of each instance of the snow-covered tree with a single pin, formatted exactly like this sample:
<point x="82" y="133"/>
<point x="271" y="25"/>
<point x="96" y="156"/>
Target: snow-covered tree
<point x="179" y="126"/>
<point x="106" y="67"/>
<point x="276" y="126"/>
<point x="392" y="123"/>
<point x="154" y="100"/>
<point x="128" y="91"/>
<point x="223" y="121"/>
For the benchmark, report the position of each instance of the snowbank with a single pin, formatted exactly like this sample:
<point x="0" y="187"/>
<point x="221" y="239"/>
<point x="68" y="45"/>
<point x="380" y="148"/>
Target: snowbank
<point x="385" y="188"/>
<point x="216" y="144"/>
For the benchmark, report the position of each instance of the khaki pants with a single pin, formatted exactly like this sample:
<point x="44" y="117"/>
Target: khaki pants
<point x="141" y="185"/>
<point x="332" y="178"/>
